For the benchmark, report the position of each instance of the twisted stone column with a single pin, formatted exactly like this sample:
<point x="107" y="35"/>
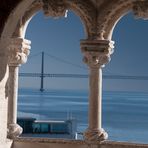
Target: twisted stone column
<point x="18" y="51"/>
<point x="96" y="55"/>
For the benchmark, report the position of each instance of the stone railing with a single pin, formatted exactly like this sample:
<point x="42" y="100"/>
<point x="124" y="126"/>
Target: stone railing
<point x="57" y="143"/>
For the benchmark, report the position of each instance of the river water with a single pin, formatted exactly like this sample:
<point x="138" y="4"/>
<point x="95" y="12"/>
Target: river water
<point x="125" y="114"/>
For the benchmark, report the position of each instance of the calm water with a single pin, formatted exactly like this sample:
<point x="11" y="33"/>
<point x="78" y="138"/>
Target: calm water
<point x="125" y="114"/>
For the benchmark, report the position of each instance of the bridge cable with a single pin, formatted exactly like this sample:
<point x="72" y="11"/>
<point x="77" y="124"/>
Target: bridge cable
<point x="35" y="55"/>
<point x="64" y="61"/>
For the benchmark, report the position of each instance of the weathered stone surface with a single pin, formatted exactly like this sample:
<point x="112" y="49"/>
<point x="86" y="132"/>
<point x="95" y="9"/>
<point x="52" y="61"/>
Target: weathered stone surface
<point x="140" y="9"/>
<point x="97" y="52"/>
<point x="48" y="143"/>
<point x="14" y="130"/>
<point x="54" y="8"/>
<point x="99" y="18"/>
<point x="18" y="50"/>
<point x="95" y="135"/>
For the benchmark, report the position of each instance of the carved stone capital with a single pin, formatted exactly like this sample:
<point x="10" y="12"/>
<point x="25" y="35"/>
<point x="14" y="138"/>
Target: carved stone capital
<point x="95" y="135"/>
<point x="54" y="8"/>
<point x="14" y="130"/>
<point x="140" y="9"/>
<point x="18" y="51"/>
<point x="96" y="52"/>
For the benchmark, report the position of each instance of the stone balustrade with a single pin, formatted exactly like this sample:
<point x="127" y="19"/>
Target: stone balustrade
<point x="56" y="143"/>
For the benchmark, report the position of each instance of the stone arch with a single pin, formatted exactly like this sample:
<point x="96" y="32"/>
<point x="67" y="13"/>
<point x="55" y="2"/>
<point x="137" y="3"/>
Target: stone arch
<point x="95" y="48"/>
<point x="113" y="12"/>
<point x="26" y="9"/>
<point x="17" y="48"/>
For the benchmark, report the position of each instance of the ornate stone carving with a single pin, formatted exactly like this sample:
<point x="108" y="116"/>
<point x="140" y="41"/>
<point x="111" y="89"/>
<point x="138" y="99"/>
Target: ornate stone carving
<point x="140" y="9"/>
<point x="86" y="10"/>
<point x="97" y="52"/>
<point x="18" y="51"/>
<point x="96" y="135"/>
<point x="108" y="15"/>
<point x="14" y="130"/>
<point x="54" y="8"/>
<point x="88" y="13"/>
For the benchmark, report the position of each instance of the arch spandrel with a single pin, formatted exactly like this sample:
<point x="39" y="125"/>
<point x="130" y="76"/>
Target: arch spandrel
<point x="113" y="12"/>
<point x="140" y="9"/>
<point x="109" y="15"/>
<point x="25" y="19"/>
<point x="87" y="11"/>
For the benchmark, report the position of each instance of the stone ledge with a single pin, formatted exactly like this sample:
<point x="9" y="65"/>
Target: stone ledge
<point x="105" y="144"/>
<point x="49" y="140"/>
<point x="117" y="144"/>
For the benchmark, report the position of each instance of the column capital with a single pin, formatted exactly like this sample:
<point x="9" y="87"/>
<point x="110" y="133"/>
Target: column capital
<point x="18" y="51"/>
<point x="96" y="52"/>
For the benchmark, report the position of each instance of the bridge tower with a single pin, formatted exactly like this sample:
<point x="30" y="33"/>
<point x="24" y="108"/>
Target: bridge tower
<point x="42" y="73"/>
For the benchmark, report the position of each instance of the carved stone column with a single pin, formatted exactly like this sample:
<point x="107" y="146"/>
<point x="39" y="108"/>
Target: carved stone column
<point x="96" y="55"/>
<point x="18" y="50"/>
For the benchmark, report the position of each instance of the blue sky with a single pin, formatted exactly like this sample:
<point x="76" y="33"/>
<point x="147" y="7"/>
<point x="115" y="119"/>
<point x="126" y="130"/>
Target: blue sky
<point x="61" y="38"/>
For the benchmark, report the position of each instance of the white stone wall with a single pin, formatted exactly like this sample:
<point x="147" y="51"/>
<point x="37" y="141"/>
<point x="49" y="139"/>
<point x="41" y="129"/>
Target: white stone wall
<point x="3" y="99"/>
<point x="3" y="120"/>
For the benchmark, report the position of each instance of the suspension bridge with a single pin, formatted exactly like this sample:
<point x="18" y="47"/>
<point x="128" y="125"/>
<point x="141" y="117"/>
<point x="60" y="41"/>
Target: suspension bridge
<point x="43" y="75"/>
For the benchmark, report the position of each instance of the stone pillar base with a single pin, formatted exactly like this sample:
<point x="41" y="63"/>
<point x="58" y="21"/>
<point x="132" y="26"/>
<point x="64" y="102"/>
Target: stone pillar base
<point x="14" y="130"/>
<point x="95" y="135"/>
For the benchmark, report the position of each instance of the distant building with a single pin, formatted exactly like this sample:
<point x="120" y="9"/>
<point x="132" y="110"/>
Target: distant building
<point x="48" y="128"/>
